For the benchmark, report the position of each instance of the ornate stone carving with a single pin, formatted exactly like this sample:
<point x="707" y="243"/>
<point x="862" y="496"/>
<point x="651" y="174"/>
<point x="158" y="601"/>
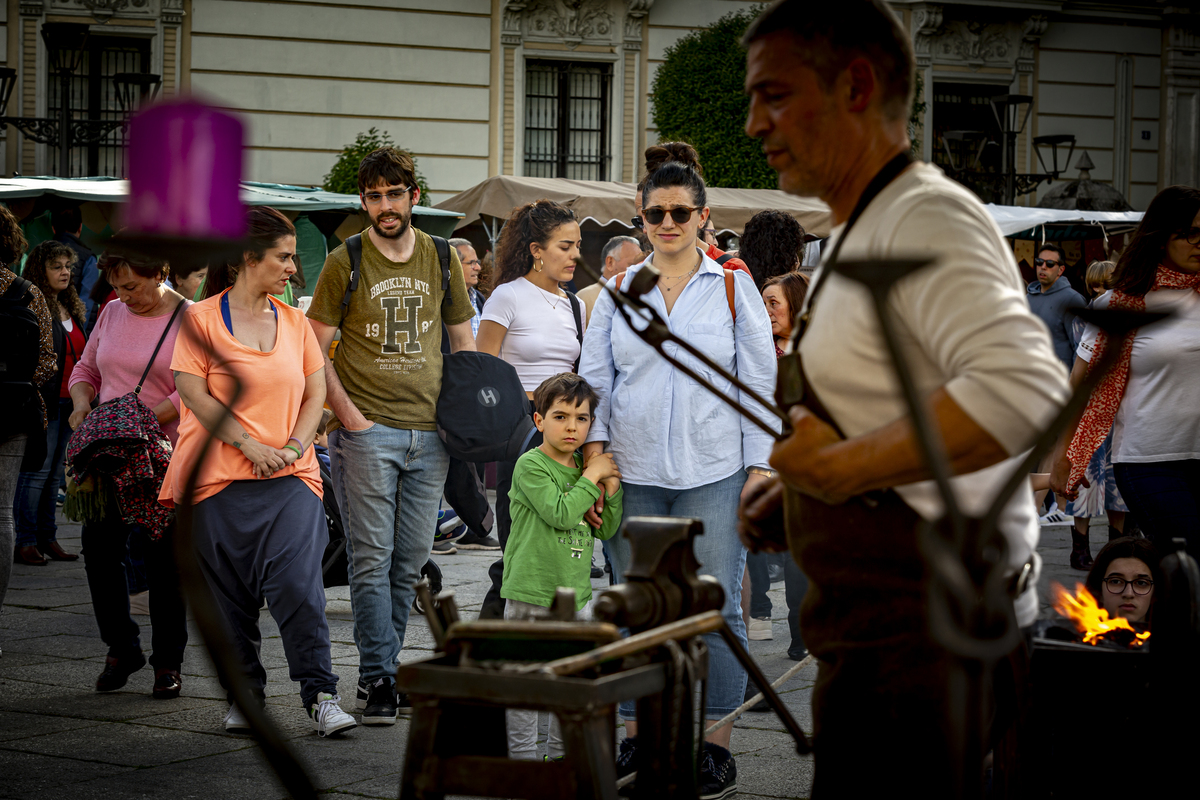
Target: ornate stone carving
<point x="1031" y="33"/>
<point x="104" y="10"/>
<point x="510" y="26"/>
<point x="634" y="14"/>
<point x="976" y="43"/>
<point x="926" y="24"/>
<point x="172" y="12"/>
<point x="33" y="8"/>
<point x="571" y="21"/>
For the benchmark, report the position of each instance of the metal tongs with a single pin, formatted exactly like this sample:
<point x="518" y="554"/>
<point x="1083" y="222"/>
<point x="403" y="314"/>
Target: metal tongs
<point x="657" y="333"/>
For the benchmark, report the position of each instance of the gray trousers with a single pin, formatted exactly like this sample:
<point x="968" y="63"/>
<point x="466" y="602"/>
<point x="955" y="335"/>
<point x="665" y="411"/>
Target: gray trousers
<point x="12" y="451"/>
<point x="522" y="723"/>
<point x="261" y="540"/>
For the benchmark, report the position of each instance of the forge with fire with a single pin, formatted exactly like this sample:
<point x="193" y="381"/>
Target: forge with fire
<point x="1093" y="623"/>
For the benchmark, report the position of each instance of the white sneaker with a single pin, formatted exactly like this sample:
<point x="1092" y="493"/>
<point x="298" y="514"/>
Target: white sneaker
<point x="760" y="630"/>
<point x="235" y="720"/>
<point x="1054" y="517"/>
<point x="328" y="717"/>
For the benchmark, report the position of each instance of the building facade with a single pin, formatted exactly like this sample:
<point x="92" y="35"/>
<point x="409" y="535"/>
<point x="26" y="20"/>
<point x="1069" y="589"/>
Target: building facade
<point x="562" y="88"/>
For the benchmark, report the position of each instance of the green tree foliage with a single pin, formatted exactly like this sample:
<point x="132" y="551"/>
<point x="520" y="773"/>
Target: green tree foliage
<point x="699" y="98"/>
<point x="343" y="177"/>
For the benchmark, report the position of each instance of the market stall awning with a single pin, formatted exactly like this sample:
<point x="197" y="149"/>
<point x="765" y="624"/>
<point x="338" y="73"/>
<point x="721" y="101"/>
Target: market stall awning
<point x="1015" y="220"/>
<point x="114" y="190"/>
<point x="606" y="202"/>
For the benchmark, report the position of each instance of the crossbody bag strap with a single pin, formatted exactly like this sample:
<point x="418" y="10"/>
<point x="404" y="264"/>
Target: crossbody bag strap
<point x="138" y="389"/>
<point x="577" y="312"/>
<point x="885" y="176"/>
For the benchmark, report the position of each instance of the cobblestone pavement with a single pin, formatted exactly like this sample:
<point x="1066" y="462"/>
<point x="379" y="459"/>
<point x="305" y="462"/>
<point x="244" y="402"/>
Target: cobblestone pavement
<point x="59" y="738"/>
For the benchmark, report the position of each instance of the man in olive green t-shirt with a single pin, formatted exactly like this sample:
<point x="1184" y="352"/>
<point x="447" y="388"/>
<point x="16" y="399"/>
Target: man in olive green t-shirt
<point x="388" y="464"/>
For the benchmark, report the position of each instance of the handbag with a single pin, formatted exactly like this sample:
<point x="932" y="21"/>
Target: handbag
<point x="119" y="455"/>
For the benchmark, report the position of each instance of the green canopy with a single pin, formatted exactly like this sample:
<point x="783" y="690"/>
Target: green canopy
<point x="278" y="195"/>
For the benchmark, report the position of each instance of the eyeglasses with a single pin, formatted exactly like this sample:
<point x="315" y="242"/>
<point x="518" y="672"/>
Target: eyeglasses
<point x="474" y="262"/>
<point x="394" y="196"/>
<point x="681" y="214"/>
<point x="1191" y="234"/>
<point x="1048" y="262"/>
<point x="1141" y="586"/>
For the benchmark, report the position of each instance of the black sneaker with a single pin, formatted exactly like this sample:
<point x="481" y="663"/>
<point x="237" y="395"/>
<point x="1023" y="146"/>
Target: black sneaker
<point x="751" y="690"/>
<point x="403" y="704"/>
<point x="473" y="541"/>
<point x="381" y="704"/>
<point x="597" y="572"/>
<point x="718" y="773"/>
<point x="625" y="758"/>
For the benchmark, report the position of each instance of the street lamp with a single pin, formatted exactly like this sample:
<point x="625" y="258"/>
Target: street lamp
<point x="66" y="42"/>
<point x="1053" y="142"/>
<point x="1012" y="112"/>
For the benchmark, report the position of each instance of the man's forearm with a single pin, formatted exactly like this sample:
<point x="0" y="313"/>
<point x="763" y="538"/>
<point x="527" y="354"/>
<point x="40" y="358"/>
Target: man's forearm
<point x="890" y="456"/>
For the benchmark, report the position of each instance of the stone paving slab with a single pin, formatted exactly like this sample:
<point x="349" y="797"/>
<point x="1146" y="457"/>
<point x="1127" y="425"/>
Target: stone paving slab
<point x="33" y="775"/>
<point x="58" y="735"/>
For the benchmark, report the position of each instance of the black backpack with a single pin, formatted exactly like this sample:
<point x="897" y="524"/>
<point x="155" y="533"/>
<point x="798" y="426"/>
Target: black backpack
<point x="22" y="337"/>
<point x="483" y="413"/>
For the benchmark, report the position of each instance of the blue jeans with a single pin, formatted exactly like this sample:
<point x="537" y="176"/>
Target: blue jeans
<point x="720" y="554"/>
<point x="388" y="483"/>
<point x="1164" y="497"/>
<point x="37" y="492"/>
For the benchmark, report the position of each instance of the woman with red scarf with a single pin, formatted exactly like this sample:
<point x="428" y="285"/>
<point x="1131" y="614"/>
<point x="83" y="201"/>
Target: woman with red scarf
<point x="1149" y="399"/>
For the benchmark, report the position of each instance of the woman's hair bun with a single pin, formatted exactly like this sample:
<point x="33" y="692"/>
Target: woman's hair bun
<point x="681" y="152"/>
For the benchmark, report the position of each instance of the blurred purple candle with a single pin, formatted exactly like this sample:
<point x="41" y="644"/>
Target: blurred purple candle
<point x="185" y="167"/>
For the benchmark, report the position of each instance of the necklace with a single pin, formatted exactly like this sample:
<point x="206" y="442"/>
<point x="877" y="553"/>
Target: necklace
<point x="542" y="293"/>
<point x="677" y="278"/>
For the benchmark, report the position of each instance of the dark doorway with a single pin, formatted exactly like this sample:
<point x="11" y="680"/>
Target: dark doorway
<point x="94" y="96"/>
<point x="972" y="152"/>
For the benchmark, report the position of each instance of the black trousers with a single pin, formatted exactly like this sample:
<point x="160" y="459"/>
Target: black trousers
<point x="105" y="547"/>
<point x="493" y="604"/>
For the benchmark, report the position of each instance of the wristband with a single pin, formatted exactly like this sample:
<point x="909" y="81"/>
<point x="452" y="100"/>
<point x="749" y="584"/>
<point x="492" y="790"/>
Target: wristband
<point x="293" y="449"/>
<point x="768" y="473"/>
<point x="299" y="443"/>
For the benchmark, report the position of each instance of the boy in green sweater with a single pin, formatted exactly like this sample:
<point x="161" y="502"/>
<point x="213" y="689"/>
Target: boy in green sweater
<point x="549" y="543"/>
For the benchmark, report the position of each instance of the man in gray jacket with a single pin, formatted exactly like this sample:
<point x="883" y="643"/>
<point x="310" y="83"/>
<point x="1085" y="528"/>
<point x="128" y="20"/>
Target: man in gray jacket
<point x="1049" y="298"/>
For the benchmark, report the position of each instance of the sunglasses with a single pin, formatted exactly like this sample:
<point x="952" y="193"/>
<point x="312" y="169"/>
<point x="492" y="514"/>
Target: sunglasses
<point x="1048" y="262"/>
<point x="681" y="214"/>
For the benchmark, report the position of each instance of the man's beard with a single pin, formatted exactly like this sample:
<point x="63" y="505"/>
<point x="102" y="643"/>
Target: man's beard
<point x="401" y="229"/>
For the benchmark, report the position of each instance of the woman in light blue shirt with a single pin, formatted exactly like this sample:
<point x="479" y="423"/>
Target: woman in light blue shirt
<point x="682" y="451"/>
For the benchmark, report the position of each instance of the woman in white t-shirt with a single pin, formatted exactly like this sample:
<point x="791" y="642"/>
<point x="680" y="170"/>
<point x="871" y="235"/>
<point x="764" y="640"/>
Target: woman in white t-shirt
<point x="1148" y="400"/>
<point x="530" y="321"/>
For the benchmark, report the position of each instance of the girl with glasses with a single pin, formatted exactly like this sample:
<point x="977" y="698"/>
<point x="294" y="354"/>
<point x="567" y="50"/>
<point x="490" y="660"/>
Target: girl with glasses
<point x="1123" y="579"/>
<point x="688" y="454"/>
<point x="1148" y="399"/>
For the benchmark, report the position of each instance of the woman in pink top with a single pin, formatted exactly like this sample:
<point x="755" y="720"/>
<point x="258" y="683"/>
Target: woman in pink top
<point x="121" y="345"/>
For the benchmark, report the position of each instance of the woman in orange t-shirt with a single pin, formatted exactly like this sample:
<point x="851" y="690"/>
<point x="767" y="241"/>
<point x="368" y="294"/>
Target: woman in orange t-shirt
<point x="259" y="525"/>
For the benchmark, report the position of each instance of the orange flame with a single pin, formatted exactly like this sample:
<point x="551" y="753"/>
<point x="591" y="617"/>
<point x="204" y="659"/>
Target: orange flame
<point x="1091" y="620"/>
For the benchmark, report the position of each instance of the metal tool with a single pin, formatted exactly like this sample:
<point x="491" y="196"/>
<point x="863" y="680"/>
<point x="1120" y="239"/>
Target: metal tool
<point x="657" y="333"/>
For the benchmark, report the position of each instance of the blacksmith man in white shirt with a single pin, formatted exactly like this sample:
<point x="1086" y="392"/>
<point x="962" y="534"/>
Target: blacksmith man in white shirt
<point x="830" y="92"/>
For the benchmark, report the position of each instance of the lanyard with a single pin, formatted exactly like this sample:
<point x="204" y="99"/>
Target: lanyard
<point x="885" y="176"/>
